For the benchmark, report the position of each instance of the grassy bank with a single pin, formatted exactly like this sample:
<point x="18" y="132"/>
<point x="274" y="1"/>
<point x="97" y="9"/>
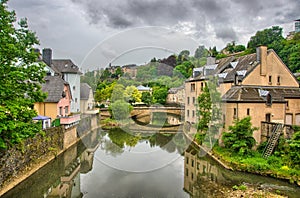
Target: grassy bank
<point x="273" y="166"/>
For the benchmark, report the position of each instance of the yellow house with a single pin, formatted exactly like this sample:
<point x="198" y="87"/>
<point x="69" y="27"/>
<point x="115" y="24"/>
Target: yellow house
<point x="58" y="101"/>
<point x="259" y="85"/>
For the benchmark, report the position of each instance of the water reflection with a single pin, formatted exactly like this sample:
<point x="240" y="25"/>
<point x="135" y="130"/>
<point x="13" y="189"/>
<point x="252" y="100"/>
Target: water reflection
<point x="89" y="170"/>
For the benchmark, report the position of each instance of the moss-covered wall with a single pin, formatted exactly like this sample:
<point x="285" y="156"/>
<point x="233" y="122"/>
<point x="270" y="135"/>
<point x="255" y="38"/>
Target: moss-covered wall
<point x="20" y="156"/>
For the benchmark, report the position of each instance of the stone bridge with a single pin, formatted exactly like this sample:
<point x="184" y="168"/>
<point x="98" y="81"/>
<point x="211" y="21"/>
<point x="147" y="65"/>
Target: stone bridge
<point x="147" y="111"/>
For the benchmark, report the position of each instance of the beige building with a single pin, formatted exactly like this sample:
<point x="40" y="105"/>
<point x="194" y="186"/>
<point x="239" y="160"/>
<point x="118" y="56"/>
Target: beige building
<point x="176" y="96"/>
<point x="86" y="98"/>
<point x="258" y="85"/>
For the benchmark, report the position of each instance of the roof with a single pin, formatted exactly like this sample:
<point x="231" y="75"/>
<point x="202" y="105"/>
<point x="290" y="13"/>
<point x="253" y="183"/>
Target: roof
<point x="84" y="91"/>
<point x="175" y="90"/>
<point x="65" y="66"/>
<point x="259" y="94"/>
<point x="40" y="117"/>
<point x="54" y="87"/>
<point x="143" y="88"/>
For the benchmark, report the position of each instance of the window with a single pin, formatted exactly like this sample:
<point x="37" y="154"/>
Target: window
<point x="188" y="113"/>
<point x="66" y="110"/>
<point x="74" y="88"/>
<point x="187" y="160"/>
<point x="186" y="172"/>
<point x="270" y="79"/>
<point x="192" y="87"/>
<point x="198" y="165"/>
<point x="193" y="113"/>
<point x="202" y="86"/>
<point x="278" y="80"/>
<point x="269" y="100"/>
<point x="75" y="99"/>
<point x="60" y="111"/>
<point x="192" y="176"/>
<point x="248" y="112"/>
<point x="287" y="104"/>
<point x="268" y="117"/>
<point x="234" y="113"/>
<point x="188" y="100"/>
<point x="194" y="100"/>
<point x="192" y="163"/>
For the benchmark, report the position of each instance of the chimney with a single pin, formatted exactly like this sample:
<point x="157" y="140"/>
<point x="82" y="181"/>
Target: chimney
<point x="261" y="54"/>
<point x="210" y="60"/>
<point x="47" y="56"/>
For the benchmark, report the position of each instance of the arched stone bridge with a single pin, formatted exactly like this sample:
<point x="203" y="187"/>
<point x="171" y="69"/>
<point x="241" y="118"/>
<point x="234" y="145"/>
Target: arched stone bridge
<point x="146" y="111"/>
<point x="139" y="112"/>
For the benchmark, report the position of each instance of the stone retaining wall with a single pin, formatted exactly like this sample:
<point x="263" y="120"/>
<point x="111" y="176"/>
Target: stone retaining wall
<point x="20" y="156"/>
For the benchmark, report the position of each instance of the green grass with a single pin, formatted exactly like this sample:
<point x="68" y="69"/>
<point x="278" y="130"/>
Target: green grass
<point x="273" y="166"/>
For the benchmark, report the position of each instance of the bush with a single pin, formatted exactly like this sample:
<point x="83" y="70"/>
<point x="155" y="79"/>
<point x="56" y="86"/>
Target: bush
<point x="240" y="138"/>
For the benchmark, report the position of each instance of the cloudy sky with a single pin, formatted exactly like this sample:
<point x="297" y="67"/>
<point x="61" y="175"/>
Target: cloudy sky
<point x="75" y="29"/>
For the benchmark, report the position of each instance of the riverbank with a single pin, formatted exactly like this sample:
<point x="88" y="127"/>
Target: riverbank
<point x="271" y="167"/>
<point x="32" y="168"/>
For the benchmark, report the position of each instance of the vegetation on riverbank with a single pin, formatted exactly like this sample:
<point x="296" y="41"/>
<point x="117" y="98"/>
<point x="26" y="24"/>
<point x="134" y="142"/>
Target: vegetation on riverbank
<point x="237" y="153"/>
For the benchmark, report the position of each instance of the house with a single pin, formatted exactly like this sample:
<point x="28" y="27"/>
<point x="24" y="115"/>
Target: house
<point x="142" y="89"/>
<point x="131" y="70"/>
<point x="259" y="85"/>
<point x="58" y="101"/>
<point x="176" y="96"/>
<point x="68" y="71"/>
<point x="86" y="98"/>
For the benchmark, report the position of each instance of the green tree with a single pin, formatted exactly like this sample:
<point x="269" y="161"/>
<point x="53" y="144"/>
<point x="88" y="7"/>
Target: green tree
<point x="117" y="93"/>
<point x="147" y="98"/>
<point x="120" y="110"/>
<point x="240" y="138"/>
<point x="209" y="113"/>
<point x="269" y="37"/>
<point x="294" y="149"/>
<point x="160" y="94"/>
<point x="20" y="79"/>
<point x="104" y="91"/>
<point x="200" y="52"/>
<point x="132" y="94"/>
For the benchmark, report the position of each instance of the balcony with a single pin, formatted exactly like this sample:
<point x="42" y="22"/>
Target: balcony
<point x="70" y="120"/>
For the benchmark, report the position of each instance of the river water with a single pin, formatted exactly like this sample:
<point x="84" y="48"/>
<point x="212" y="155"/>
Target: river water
<point x="119" y="163"/>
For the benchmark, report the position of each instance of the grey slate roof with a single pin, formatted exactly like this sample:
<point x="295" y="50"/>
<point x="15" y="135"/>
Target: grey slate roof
<point x="254" y="94"/>
<point x="54" y="87"/>
<point x="175" y="89"/>
<point x="84" y="91"/>
<point x="65" y="66"/>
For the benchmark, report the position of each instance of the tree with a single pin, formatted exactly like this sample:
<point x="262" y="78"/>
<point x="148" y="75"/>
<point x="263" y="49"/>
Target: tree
<point x="132" y="94"/>
<point x="160" y="94"/>
<point x="269" y="37"/>
<point x="200" y="52"/>
<point x="20" y="78"/>
<point x="294" y="149"/>
<point x="146" y="98"/>
<point x="117" y="93"/>
<point x="120" y="110"/>
<point x="209" y="113"/>
<point x="240" y="138"/>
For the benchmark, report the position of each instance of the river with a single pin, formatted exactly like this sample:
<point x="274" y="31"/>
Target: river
<point x="120" y="163"/>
